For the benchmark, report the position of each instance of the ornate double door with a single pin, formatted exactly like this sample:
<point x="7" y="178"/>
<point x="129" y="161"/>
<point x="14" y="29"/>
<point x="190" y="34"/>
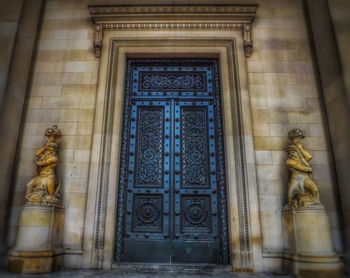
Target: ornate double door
<point x="172" y="193"/>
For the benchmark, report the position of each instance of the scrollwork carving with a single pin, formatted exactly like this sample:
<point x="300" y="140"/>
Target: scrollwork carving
<point x="194" y="148"/>
<point x="176" y="81"/>
<point x="150" y="147"/>
<point x="98" y="35"/>
<point x="247" y="40"/>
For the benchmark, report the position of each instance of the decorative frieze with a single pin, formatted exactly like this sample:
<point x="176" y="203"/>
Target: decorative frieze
<point x="172" y="25"/>
<point x="234" y="17"/>
<point x="117" y="11"/>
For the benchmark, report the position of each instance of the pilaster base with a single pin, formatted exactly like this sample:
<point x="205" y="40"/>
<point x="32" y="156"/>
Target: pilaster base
<point x="35" y="262"/>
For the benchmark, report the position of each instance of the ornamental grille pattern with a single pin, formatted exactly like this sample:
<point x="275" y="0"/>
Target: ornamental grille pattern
<point x="147" y="211"/>
<point x="172" y="81"/>
<point x="172" y="190"/>
<point x="196" y="214"/>
<point x="194" y="147"/>
<point x="150" y="142"/>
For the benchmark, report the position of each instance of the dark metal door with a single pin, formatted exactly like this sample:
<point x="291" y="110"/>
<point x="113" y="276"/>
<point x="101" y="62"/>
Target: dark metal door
<point x="172" y="194"/>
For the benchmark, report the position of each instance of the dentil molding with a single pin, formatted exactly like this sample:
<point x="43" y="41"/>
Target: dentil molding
<point x="234" y="17"/>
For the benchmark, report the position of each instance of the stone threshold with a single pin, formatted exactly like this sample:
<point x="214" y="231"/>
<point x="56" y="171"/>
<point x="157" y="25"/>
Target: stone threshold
<point x="185" y="268"/>
<point x="139" y="274"/>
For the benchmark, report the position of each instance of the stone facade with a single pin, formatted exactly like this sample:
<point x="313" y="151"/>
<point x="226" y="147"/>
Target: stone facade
<point x="334" y="64"/>
<point x="8" y="26"/>
<point x="283" y="93"/>
<point x="19" y="24"/>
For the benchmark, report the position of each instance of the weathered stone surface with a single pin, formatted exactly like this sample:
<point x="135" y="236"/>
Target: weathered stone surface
<point x="282" y="94"/>
<point x="38" y="246"/>
<point x="307" y="243"/>
<point x="150" y="274"/>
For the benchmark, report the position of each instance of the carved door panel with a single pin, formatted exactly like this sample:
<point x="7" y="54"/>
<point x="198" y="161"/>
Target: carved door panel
<point x="195" y="200"/>
<point x="172" y="196"/>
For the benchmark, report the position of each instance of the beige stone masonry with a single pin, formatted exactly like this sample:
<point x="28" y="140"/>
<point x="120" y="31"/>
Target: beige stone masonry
<point x="277" y="86"/>
<point x="38" y="246"/>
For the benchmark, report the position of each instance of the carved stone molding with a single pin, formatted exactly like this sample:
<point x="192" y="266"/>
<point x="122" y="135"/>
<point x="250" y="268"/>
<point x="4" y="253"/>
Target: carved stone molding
<point x="234" y="17"/>
<point x="247" y="39"/>
<point x="98" y="34"/>
<point x="103" y="226"/>
<point x="112" y="12"/>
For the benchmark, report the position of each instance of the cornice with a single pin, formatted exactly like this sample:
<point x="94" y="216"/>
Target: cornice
<point x="243" y="12"/>
<point x="234" y="17"/>
<point x="172" y="25"/>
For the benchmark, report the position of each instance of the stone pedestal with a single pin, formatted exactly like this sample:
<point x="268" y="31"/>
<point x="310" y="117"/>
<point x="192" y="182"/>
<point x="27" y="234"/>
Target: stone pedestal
<point x="39" y="240"/>
<point x="307" y="243"/>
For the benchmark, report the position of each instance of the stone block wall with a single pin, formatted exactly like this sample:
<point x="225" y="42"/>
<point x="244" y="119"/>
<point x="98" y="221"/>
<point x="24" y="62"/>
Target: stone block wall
<point x="285" y="94"/>
<point x="63" y="91"/>
<point x="18" y="28"/>
<point x="330" y="25"/>
<point x="283" y="91"/>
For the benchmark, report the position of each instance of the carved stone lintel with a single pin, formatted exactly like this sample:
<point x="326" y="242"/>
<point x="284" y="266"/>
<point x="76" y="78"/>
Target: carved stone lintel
<point x="247" y="39"/>
<point x="98" y="39"/>
<point x="233" y="17"/>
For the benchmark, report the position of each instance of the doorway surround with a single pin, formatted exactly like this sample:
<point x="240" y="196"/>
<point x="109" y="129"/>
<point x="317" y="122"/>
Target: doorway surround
<point x="222" y="32"/>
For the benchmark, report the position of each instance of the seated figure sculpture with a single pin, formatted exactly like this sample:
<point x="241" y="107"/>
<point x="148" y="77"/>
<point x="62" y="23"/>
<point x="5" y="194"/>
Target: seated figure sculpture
<point x="302" y="190"/>
<point x="44" y="188"/>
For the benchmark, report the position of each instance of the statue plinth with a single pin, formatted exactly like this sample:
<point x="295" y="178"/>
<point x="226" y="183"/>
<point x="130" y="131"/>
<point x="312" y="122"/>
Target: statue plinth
<point x="307" y="243"/>
<point x="38" y="246"/>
